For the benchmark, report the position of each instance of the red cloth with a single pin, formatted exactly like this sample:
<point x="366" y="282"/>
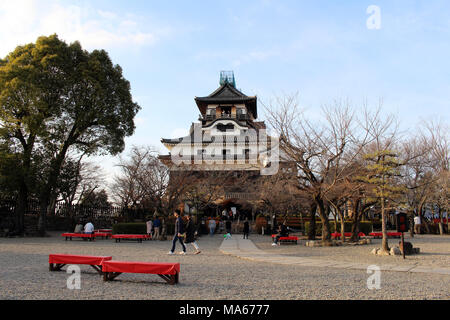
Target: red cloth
<point x="288" y="238"/>
<point x="102" y="234"/>
<point x="347" y="234"/>
<point x="80" y="235"/>
<point x="380" y="234"/>
<point x="76" y="259"/>
<point x="394" y="234"/>
<point x="130" y="236"/>
<point x="141" y="267"/>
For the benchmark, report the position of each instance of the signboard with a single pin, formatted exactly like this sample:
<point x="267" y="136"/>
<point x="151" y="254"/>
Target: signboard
<point x="402" y="222"/>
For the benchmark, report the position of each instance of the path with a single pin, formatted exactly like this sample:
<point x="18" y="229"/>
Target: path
<point x="246" y="249"/>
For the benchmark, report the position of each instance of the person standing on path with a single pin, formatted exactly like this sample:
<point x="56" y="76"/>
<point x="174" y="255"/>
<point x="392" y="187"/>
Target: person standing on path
<point x="417" y="224"/>
<point x="149" y="226"/>
<point x="156" y="227"/>
<point x="228" y="226"/>
<point x="179" y="230"/>
<point x="246" y="229"/>
<point x="190" y="234"/>
<point x="212" y="226"/>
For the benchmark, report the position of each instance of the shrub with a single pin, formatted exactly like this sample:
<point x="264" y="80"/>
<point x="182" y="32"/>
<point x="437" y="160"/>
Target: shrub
<point x="364" y="226"/>
<point x="129" y="228"/>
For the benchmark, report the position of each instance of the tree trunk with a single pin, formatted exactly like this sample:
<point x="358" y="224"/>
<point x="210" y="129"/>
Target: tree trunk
<point x="312" y="223"/>
<point x="326" y="234"/>
<point x="20" y="209"/>
<point x="385" y="242"/>
<point x="411" y="224"/>
<point x="342" y="227"/>
<point x="47" y="192"/>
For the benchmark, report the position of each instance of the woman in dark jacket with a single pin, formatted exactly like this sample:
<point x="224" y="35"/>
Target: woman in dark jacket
<point x="190" y="234"/>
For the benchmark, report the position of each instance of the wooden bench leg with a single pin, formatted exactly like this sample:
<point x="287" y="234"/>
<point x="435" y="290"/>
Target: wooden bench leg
<point x="109" y="276"/>
<point x="170" y="279"/>
<point x="56" y="266"/>
<point x="98" y="269"/>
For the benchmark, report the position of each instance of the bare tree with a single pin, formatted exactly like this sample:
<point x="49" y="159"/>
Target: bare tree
<point x="322" y="151"/>
<point x="438" y="135"/>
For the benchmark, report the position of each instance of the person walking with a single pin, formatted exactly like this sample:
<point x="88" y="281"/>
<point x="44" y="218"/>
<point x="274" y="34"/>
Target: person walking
<point x="246" y="229"/>
<point x="191" y="233"/>
<point x="179" y="230"/>
<point x="156" y="227"/>
<point x="212" y="226"/>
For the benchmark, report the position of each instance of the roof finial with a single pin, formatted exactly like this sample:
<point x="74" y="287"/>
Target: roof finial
<point x="227" y="77"/>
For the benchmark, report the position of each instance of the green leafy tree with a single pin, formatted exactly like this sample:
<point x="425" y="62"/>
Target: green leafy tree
<point x="70" y="99"/>
<point x="382" y="173"/>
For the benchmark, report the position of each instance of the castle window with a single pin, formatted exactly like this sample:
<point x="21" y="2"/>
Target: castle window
<point x="225" y="127"/>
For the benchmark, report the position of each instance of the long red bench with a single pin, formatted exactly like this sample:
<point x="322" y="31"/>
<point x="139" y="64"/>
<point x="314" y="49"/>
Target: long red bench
<point x="346" y="234"/>
<point x="168" y="271"/>
<point x="389" y="234"/>
<point x="103" y="235"/>
<point x="287" y="239"/>
<point x="104" y="231"/>
<point x="79" y="235"/>
<point x="57" y="261"/>
<point x="138" y="237"/>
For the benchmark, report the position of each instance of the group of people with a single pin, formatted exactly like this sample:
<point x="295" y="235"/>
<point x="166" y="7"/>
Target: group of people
<point x="88" y="228"/>
<point x="154" y="228"/>
<point x="228" y="224"/>
<point x="184" y="234"/>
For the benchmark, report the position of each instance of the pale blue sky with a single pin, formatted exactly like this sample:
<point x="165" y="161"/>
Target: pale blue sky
<point x="172" y="51"/>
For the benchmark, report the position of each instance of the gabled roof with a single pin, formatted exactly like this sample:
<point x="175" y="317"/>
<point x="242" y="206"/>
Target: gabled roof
<point x="226" y="93"/>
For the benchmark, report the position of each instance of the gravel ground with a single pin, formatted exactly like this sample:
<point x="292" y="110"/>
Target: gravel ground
<point x="434" y="251"/>
<point x="208" y="276"/>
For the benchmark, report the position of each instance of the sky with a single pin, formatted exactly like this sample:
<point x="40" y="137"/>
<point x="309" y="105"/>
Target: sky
<point x="172" y="51"/>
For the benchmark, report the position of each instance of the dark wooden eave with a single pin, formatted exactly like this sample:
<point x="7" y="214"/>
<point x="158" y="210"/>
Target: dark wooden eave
<point x="227" y="94"/>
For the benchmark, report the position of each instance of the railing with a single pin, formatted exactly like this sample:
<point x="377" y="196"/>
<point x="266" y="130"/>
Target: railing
<point x="212" y="117"/>
<point x="8" y="207"/>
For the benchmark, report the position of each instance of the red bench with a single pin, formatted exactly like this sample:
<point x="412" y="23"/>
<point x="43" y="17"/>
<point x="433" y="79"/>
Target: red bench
<point x="84" y="236"/>
<point x="390" y="234"/>
<point x="346" y="234"/>
<point x="57" y="261"/>
<point x="168" y="271"/>
<point x="138" y="237"/>
<point x="104" y="231"/>
<point x="286" y="239"/>
<point x="103" y="235"/>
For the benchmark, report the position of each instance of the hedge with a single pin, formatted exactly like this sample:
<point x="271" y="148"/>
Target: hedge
<point x="364" y="226"/>
<point x="129" y="228"/>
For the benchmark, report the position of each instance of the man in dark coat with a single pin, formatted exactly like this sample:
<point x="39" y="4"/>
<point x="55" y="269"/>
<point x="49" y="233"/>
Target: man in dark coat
<point x="191" y="231"/>
<point x="179" y="230"/>
<point x="228" y="226"/>
<point x="246" y="228"/>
